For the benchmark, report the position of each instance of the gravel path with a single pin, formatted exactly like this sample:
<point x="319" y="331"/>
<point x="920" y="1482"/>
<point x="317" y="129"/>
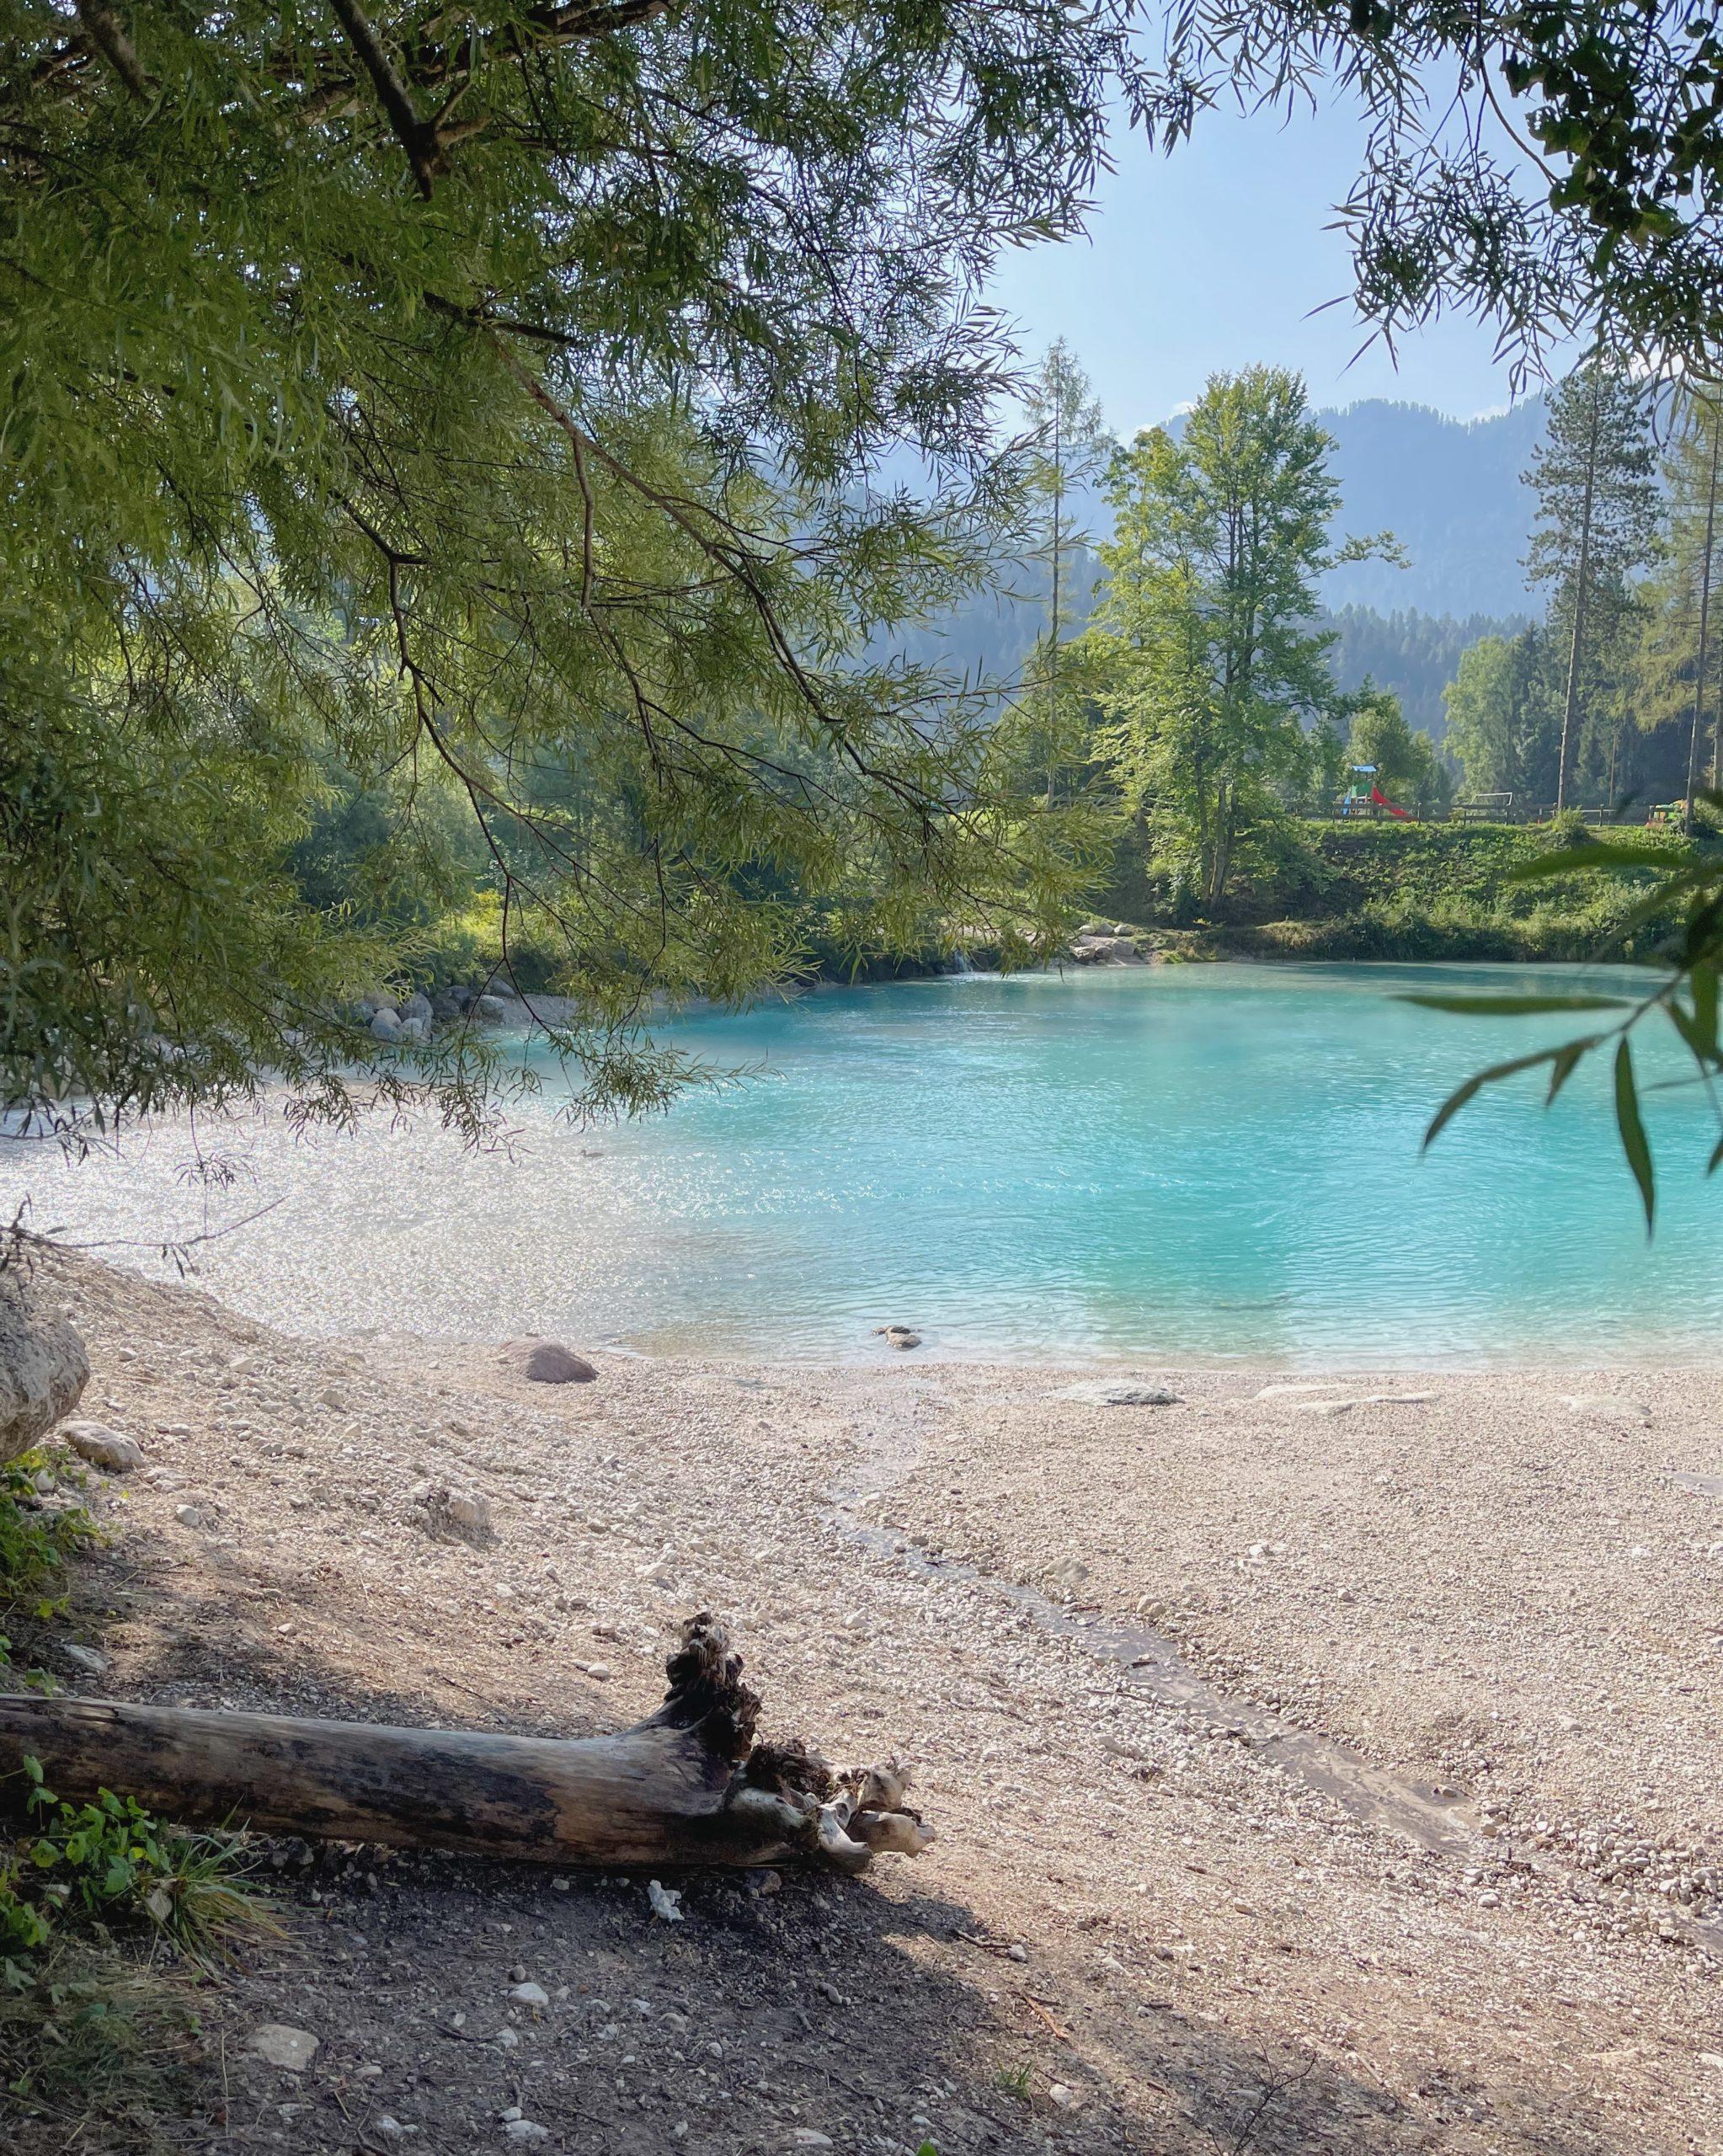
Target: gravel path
<point x="1148" y="1923"/>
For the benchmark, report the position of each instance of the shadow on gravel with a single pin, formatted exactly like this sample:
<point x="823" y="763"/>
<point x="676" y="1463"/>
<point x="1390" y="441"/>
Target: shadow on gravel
<point x="800" y="2011"/>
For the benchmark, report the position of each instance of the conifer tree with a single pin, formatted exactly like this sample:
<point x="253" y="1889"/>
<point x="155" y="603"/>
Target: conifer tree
<point x="1679" y="681"/>
<point x="1068" y="449"/>
<point x="1595" y="527"/>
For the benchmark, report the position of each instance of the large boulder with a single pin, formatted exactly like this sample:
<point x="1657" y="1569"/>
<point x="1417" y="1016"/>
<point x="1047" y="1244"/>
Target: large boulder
<point x="43" y="1371"/>
<point x="1105" y="951"/>
<point x="547" y="1362"/>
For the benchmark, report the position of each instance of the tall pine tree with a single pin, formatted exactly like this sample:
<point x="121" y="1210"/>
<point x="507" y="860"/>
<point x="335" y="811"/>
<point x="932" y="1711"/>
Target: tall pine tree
<point x="1681" y="683"/>
<point x="1595" y="526"/>
<point x="1069" y="446"/>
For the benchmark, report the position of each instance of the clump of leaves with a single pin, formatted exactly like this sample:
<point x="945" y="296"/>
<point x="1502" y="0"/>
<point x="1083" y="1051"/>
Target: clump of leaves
<point x="35" y="1541"/>
<point x="110" y="1859"/>
<point x="1687" y="885"/>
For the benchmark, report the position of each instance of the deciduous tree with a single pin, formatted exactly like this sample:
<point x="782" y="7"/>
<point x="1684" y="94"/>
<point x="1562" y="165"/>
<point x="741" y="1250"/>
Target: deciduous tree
<point x="1208" y="665"/>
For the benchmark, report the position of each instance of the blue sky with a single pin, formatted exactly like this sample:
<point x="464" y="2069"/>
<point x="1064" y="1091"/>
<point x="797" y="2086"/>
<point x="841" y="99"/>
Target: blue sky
<point x="1215" y="256"/>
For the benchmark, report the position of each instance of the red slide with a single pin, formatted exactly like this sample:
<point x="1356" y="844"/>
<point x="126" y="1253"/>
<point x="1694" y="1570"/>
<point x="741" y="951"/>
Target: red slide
<point x="1382" y="801"/>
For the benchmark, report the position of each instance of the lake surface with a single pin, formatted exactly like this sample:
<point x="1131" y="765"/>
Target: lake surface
<point x="1177" y="1164"/>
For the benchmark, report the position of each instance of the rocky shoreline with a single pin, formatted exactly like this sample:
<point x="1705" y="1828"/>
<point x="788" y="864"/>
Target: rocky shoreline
<point x="1099" y="1628"/>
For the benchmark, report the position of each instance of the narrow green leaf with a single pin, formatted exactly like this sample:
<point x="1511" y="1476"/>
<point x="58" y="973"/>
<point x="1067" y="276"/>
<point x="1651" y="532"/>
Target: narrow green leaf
<point x="1475" y="1084"/>
<point x="1703" y="984"/>
<point x="1567" y="1061"/>
<point x="1513" y="1006"/>
<point x="1716" y="1159"/>
<point x="1633" y="1132"/>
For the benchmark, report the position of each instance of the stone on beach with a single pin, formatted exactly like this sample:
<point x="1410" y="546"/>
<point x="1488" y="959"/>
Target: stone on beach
<point x="1113" y="1392"/>
<point x="547" y="1362"/>
<point x="43" y="1373"/>
<point x="291" y="2050"/>
<point x="104" y="1448"/>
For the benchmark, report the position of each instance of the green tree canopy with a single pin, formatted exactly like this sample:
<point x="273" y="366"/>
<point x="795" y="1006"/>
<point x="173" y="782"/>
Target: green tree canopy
<point x="1208" y="665"/>
<point x="486" y="416"/>
<point x="1407" y="768"/>
<point x="1504" y="716"/>
<point x="489" y="413"/>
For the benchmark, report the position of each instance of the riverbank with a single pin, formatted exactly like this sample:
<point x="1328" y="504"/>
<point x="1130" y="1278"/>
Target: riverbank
<point x="1307" y="1765"/>
<point x="1454" y="893"/>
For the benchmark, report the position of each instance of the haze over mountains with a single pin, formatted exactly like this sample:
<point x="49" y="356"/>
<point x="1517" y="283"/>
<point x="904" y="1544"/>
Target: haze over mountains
<point x="1451" y="492"/>
<point x="1448" y="490"/>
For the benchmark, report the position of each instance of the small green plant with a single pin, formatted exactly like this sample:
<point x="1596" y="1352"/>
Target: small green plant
<point x="99" y="2042"/>
<point x="111" y="1859"/>
<point x="1016" y="2080"/>
<point x="35" y="1541"/>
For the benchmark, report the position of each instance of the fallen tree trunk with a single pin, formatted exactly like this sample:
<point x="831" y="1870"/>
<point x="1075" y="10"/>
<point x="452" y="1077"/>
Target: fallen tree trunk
<point x="687" y="1786"/>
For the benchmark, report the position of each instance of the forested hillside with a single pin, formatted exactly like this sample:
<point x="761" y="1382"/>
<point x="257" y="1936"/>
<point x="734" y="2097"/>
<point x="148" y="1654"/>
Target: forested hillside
<point x="1450" y="491"/>
<point x="1413" y="653"/>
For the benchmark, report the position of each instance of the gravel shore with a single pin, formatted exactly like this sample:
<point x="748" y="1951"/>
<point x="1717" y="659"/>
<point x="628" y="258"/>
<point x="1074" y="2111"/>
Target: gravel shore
<point x="1314" y="1767"/>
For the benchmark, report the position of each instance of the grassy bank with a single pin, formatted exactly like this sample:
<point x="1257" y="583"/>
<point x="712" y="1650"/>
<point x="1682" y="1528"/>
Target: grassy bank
<point x="1410" y="891"/>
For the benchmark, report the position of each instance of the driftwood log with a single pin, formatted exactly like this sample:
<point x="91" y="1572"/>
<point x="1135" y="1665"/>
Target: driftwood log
<point x="689" y="1785"/>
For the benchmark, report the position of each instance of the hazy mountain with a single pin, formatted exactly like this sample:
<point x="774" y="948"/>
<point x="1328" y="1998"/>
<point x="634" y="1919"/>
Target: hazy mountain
<point x="1450" y="492"/>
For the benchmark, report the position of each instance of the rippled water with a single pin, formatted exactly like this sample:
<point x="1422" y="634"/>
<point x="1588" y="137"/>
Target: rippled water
<point x="1185" y="1163"/>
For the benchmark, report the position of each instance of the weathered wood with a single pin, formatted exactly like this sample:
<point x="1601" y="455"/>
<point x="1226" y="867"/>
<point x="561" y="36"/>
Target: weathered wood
<point x="687" y="1786"/>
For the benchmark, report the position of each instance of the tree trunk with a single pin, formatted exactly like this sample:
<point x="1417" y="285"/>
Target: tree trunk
<point x="686" y="1786"/>
<point x="1575" y="649"/>
<point x="1699" y="692"/>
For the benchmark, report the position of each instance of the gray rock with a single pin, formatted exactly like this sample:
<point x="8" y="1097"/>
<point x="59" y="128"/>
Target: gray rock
<point x="85" y="1658"/>
<point x="458" y="1516"/>
<point x="415" y="1029"/>
<point x="490" y="1009"/>
<point x="898" y="1336"/>
<point x="528" y="1995"/>
<point x="526" y="2131"/>
<point x="292" y="2050"/>
<point x="43" y="1371"/>
<point x="1115" y="1392"/>
<point x="547" y="1362"/>
<point x="1105" y="951"/>
<point x="104" y="1448"/>
<point x="385" y="1026"/>
<point x="416" y="1006"/>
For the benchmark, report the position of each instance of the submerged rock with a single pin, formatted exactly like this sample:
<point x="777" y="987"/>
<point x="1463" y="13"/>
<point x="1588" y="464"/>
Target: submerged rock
<point x="897" y="1335"/>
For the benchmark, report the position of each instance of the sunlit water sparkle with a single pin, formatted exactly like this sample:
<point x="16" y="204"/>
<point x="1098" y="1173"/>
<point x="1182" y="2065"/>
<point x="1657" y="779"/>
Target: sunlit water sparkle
<point x="1177" y="1164"/>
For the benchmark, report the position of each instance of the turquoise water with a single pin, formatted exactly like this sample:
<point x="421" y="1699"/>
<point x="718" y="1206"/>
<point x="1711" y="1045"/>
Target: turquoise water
<point x="1191" y="1162"/>
<point x="1168" y="1164"/>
